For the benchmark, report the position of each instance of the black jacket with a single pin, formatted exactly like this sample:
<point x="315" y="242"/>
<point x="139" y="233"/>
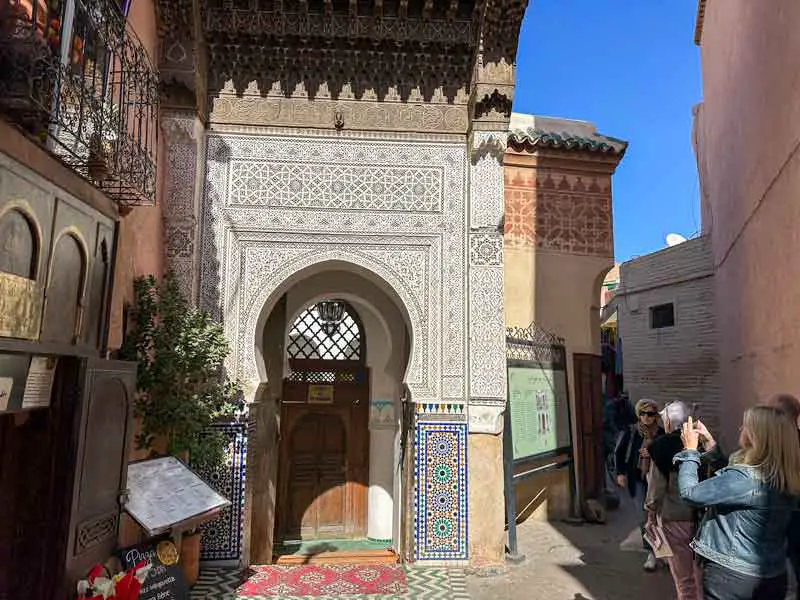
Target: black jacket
<point x="627" y="455"/>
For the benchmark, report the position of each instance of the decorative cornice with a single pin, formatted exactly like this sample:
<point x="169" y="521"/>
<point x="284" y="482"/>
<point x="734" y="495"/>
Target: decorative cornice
<point x="282" y="24"/>
<point x="347" y="113"/>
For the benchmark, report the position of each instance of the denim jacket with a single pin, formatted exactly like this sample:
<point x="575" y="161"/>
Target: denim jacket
<point x="746" y="525"/>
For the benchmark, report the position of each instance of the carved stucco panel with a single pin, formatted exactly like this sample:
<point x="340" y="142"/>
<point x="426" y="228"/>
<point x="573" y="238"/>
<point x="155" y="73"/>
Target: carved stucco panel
<point x="178" y="207"/>
<point x="242" y="317"/>
<point x="487" y="335"/>
<point x="244" y="245"/>
<point x="485" y="249"/>
<point x="486" y="180"/>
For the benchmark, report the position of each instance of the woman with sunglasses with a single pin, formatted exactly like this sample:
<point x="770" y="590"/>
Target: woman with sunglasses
<point x="749" y="506"/>
<point x="633" y="461"/>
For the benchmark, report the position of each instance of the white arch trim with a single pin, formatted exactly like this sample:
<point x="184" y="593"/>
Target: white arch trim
<point x="251" y="368"/>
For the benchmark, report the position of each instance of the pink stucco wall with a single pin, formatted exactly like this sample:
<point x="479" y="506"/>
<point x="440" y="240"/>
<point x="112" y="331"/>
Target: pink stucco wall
<point x="140" y="249"/>
<point x="748" y="134"/>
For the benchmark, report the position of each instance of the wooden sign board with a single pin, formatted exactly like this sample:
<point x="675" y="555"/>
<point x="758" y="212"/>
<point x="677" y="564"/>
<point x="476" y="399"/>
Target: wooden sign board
<point x="165" y="494"/>
<point x="165" y="581"/>
<point x="320" y="394"/>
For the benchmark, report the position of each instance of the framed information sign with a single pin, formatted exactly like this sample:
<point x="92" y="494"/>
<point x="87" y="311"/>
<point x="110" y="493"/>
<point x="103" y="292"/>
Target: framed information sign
<point x="538" y="410"/>
<point x="165" y="494"/>
<point x="538" y="424"/>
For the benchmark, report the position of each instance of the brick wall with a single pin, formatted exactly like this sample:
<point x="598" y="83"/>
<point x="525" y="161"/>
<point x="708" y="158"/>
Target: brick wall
<point x="679" y="362"/>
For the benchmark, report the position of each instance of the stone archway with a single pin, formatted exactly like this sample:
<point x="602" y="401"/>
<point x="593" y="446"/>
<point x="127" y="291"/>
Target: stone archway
<point x="387" y="337"/>
<point x="411" y="295"/>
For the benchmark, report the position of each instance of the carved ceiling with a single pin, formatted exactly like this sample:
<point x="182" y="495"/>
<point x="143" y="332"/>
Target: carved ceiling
<point x="387" y="46"/>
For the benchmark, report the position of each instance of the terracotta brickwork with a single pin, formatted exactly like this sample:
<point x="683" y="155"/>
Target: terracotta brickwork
<point x="560" y="211"/>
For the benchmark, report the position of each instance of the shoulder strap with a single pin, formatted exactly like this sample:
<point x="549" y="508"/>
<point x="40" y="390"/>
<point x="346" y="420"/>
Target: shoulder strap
<point x="631" y="435"/>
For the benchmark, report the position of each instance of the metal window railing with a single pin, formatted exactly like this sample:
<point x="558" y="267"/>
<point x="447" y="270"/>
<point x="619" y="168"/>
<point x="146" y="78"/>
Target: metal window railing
<point x="75" y="76"/>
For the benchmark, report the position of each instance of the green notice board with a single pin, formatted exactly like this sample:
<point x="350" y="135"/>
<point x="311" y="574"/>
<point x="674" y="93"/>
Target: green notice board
<point x="539" y="410"/>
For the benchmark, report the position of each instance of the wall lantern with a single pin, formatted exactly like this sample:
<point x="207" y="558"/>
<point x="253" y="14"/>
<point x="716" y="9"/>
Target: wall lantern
<point x="331" y="313"/>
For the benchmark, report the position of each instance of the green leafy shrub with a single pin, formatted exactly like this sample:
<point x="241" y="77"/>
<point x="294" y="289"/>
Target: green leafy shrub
<point x="182" y="387"/>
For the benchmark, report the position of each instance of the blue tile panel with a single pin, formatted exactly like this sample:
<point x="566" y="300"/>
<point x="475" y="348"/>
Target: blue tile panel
<point x="441" y="494"/>
<point x="222" y="538"/>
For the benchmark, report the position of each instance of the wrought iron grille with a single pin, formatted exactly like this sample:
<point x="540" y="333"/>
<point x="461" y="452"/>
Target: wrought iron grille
<point x="309" y="340"/>
<point x="77" y="78"/>
<point x="534" y="344"/>
<point x="322" y="377"/>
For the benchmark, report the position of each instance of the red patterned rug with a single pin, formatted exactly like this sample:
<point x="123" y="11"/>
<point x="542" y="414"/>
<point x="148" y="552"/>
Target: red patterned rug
<point x="323" y="580"/>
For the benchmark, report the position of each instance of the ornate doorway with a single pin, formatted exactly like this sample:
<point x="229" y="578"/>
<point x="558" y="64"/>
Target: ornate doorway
<point x="324" y="439"/>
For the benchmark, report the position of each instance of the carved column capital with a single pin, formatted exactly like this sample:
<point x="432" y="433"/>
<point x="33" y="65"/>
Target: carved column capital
<point x="485" y="418"/>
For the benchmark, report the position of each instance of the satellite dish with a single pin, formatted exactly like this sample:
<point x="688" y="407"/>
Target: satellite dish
<point x="673" y="239"/>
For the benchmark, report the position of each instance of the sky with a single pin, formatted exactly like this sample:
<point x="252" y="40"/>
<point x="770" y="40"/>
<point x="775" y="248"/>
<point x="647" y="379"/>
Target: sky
<point x="631" y="67"/>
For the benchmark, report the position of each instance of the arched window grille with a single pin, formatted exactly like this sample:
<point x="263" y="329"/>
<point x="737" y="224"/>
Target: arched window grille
<point x="313" y="337"/>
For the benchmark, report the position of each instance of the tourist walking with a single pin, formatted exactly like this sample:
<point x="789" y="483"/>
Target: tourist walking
<point x="749" y="505"/>
<point x="633" y="462"/>
<point x="665" y="506"/>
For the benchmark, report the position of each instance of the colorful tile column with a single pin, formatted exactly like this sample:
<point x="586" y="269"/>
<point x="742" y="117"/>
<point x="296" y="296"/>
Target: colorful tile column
<point x="441" y="474"/>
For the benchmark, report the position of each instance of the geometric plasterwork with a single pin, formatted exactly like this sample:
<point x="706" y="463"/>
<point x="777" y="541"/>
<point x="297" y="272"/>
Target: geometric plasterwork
<point x="394" y="207"/>
<point x="560" y="212"/>
<point x="485" y="249"/>
<point x="573" y="215"/>
<point x="277" y="184"/>
<point x="486" y="180"/>
<point x="486" y="290"/>
<point x="178" y="199"/>
<point x="487" y="336"/>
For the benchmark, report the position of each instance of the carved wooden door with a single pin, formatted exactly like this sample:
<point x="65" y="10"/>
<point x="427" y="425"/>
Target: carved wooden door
<point x="317" y="479"/>
<point x="101" y="463"/>
<point x="589" y="406"/>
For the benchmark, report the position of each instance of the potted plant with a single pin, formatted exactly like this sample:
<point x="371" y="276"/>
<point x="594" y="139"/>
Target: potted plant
<point x="29" y="48"/>
<point x="181" y="383"/>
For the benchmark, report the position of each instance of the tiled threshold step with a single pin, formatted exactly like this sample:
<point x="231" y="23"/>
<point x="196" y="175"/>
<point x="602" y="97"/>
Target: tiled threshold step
<point x="358" y="551"/>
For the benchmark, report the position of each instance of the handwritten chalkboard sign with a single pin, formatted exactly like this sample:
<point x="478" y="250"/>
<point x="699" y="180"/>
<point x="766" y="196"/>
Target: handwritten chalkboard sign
<point x="165" y="580"/>
<point x="165" y="494"/>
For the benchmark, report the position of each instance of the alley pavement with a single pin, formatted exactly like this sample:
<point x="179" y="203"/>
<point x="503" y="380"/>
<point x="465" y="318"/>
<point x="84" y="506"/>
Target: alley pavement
<point x="562" y="562"/>
<point x="578" y="562"/>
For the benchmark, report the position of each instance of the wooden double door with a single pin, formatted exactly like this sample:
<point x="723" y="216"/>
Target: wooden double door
<point x="324" y="464"/>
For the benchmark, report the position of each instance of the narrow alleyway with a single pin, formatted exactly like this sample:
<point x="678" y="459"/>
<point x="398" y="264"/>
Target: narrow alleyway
<point x="586" y="562"/>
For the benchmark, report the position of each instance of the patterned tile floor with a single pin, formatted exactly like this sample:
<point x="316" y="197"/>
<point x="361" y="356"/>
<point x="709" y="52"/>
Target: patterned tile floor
<point x="423" y="584"/>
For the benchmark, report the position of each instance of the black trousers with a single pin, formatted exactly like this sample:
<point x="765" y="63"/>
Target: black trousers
<point x="720" y="583"/>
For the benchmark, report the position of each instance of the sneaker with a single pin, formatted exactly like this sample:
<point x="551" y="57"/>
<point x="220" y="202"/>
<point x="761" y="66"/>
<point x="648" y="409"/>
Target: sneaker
<point x="650" y="564"/>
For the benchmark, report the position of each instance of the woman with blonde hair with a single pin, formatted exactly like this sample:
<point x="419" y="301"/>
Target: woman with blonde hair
<point x="742" y="537"/>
